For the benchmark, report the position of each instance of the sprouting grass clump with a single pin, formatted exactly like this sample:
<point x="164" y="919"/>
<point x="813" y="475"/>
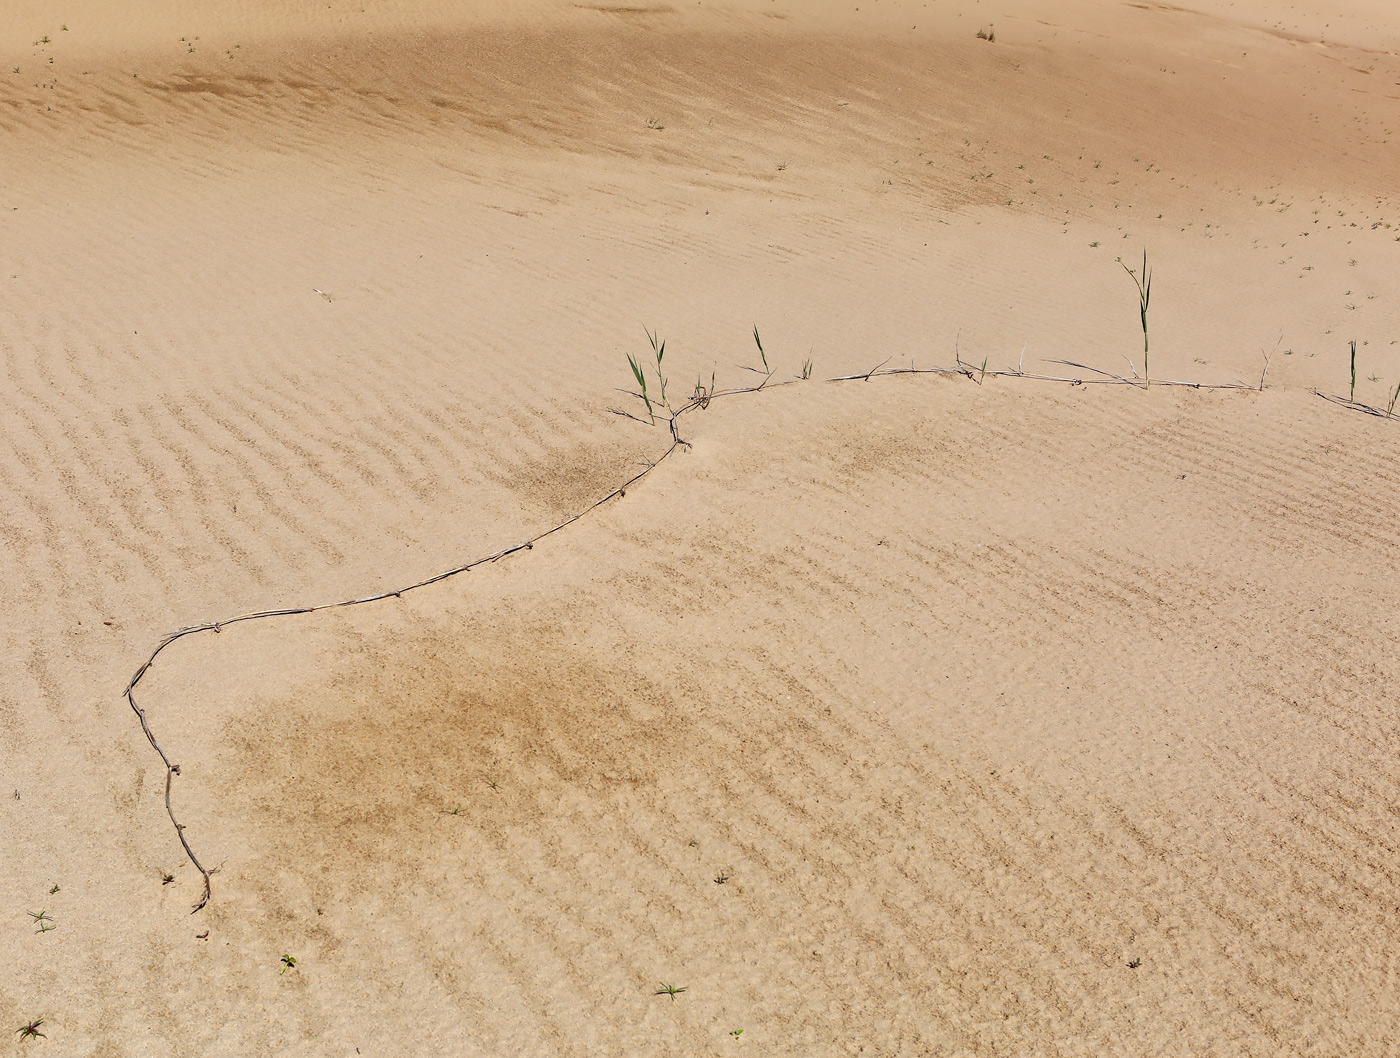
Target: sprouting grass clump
<point x="763" y="356"/>
<point x="658" y="350"/>
<point x="641" y="378"/>
<point x="1143" y="282"/>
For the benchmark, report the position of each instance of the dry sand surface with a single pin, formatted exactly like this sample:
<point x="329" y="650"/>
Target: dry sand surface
<point x="901" y="717"/>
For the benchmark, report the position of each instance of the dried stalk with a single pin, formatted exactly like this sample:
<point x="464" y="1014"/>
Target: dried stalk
<point x="700" y="401"/>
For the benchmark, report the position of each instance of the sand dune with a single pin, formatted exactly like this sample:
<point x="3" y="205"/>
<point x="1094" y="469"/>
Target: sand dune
<point x="907" y="716"/>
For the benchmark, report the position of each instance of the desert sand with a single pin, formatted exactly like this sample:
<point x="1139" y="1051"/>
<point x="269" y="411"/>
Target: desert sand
<point x="934" y="714"/>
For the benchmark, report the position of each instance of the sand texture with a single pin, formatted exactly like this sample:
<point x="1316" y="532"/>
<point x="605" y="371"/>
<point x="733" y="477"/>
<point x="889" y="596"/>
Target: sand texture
<point x="924" y="714"/>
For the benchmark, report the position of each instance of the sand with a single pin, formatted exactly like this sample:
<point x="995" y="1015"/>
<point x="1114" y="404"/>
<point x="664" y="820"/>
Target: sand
<point x="902" y="717"/>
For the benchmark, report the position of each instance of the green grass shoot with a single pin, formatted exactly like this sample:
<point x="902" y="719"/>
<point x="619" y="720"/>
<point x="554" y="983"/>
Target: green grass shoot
<point x="641" y="378"/>
<point x="659" y="349"/>
<point x="1353" y="373"/>
<point x="1144" y="289"/>
<point x="761" y="354"/>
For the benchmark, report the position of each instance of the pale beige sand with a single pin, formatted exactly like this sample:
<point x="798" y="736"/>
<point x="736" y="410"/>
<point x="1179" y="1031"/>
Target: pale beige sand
<point x="972" y="695"/>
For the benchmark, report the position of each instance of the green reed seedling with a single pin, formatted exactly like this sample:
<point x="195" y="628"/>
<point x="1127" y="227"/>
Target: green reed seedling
<point x="659" y="349"/>
<point x="642" y="381"/>
<point x="762" y="356"/>
<point x="1143" y="283"/>
<point x="1353" y="372"/>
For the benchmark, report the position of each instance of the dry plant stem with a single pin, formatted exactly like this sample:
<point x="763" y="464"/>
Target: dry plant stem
<point x="1267" y="357"/>
<point x="700" y="401"/>
<point x="1356" y="405"/>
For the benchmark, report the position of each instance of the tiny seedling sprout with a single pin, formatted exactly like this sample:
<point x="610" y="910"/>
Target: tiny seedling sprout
<point x="659" y="348"/>
<point x="1144" y="289"/>
<point x="671" y="990"/>
<point x="31" y="1030"/>
<point x="288" y="963"/>
<point x="642" y="381"/>
<point x="762" y="356"/>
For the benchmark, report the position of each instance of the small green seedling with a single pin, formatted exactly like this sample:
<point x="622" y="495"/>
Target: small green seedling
<point x="491" y="782"/>
<point x="702" y="395"/>
<point x="166" y="877"/>
<point x="671" y="990"/>
<point x="1353" y="371"/>
<point x="659" y="349"/>
<point x="642" y="382"/>
<point x="454" y="810"/>
<point x="42" y="920"/>
<point x="28" y="1032"/>
<point x="721" y="878"/>
<point x="736" y="1033"/>
<point x="761" y="355"/>
<point x="288" y="963"/>
<point x="1390" y="410"/>
<point x="55" y="889"/>
<point x="1134" y="964"/>
<point x="807" y="368"/>
<point x="1144" y="289"/>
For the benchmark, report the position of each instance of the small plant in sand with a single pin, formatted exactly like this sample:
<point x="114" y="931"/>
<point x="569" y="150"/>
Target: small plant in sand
<point x="31" y="1030"/>
<point x="702" y="395"/>
<point x="763" y="356"/>
<point x="807" y="368"/>
<point x="671" y="990"/>
<point x="42" y="920"/>
<point x="1133" y="964"/>
<point x="1390" y="408"/>
<point x="659" y="351"/>
<point x="988" y="34"/>
<point x="166" y="877"/>
<point x="641" y="378"/>
<point x="289" y="962"/>
<point x="736" y="1033"/>
<point x="1143" y="282"/>
<point x="1353" y="372"/>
